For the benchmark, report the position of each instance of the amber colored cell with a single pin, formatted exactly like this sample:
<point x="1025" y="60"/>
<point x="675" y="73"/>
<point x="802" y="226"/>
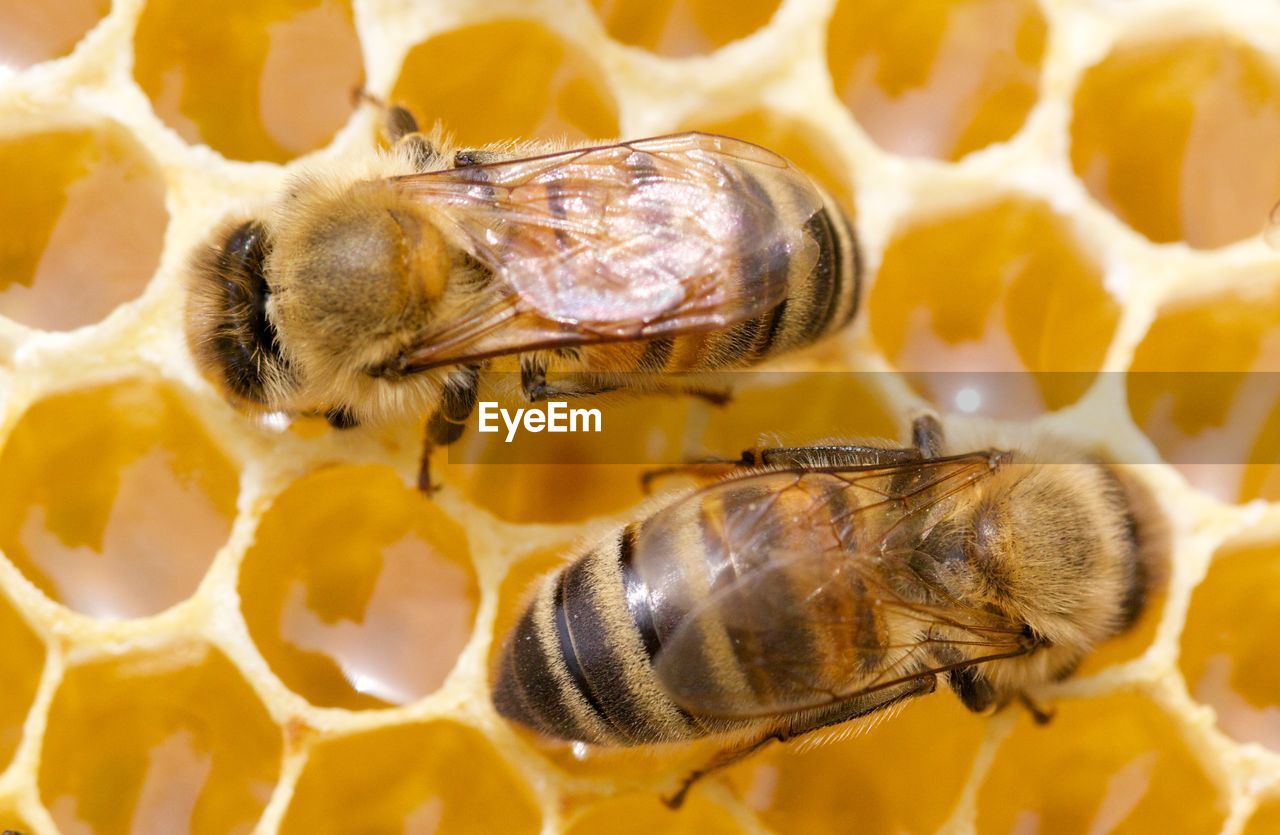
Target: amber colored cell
<point x="21" y="664"/>
<point x="680" y="28"/>
<point x="937" y="79"/>
<point x="358" y="590"/>
<point x="253" y="81"/>
<point x="1128" y="645"/>
<point x="439" y="777"/>
<point x="84" y="219"/>
<point x="114" y="500"/>
<point x="901" y="774"/>
<point x="574" y="475"/>
<point x="506" y="80"/>
<point x="1228" y="660"/>
<point x="35" y="32"/>
<point x="1002" y="287"/>
<point x="10" y="820"/>
<point x="793" y="409"/>
<point x="798" y="143"/>
<point x="1202" y="387"/>
<point x="1110" y="764"/>
<point x="645" y="814"/>
<point x="1265" y="819"/>
<point x="1178" y="138"/>
<point x="170" y="743"/>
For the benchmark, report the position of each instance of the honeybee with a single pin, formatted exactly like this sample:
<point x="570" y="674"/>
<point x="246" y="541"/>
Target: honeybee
<point x="389" y="291"/>
<point x="823" y="584"/>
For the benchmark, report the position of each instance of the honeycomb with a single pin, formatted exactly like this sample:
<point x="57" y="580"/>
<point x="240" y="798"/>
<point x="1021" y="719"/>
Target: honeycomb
<point x="215" y="624"/>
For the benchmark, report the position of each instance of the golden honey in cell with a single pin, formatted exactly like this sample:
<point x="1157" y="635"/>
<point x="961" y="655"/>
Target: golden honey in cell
<point x="390" y="288"/>
<point x="827" y="583"/>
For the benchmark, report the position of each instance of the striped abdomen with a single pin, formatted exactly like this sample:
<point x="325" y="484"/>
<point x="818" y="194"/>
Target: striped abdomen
<point x="580" y="663"/>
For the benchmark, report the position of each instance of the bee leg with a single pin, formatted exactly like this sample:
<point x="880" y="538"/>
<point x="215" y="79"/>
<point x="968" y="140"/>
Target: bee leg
<point x="468" y="157"/>
<point x="448" y="421"/>
<point x="830" y="455"/>
<point x="926" y="435"/>
<point x="1041" y="715"/>
<point x="836" y="714"/>
<point x="533" y="382"/>
<point x="401" y="130"/>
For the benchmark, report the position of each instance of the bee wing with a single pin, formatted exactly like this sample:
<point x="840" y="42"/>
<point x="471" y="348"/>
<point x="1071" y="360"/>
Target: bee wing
<point x="803" y="571"/>
<point x="630" y="241"/>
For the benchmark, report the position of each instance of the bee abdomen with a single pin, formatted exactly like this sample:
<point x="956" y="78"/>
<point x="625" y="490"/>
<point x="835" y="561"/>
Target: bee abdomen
<point x="578" y="665"/>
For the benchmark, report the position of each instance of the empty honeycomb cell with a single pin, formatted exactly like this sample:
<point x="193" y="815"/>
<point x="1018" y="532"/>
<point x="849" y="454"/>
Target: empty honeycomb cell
<point x="85" y="220"/>
<point x="509" y="79"/>
<point x="1202" y="387"/>
<point x="437" y="777"/>
<point x="995" y="288"/>
<point x="573" y="475"/>
<point x="1265" y="819"/>
<point x="888" y="773"/>
<point x="358" y="590"/>
<point x="800" y="144"/>
<point x="1227" y="660"/>
<point x="645" y="814"/>
<point x="21" y="664"/>
<point x="1178" y="137"/>
<point x="937" y="79"/>
<point x="114" y="500"/>
<point x="1112" y="763"/>
<point x="680" y="28"/>
<point x="258" y="81"/>
<point x="174" y="742"/>
<point x="35" y="32"/>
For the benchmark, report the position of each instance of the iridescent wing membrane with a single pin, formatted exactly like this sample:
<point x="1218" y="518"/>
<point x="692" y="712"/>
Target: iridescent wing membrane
<point x="661" y="236"/>
<point x="803" y="570"/>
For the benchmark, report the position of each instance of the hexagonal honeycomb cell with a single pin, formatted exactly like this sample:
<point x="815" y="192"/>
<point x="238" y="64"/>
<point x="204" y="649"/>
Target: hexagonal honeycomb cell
<point x="506" y="79"/>
<point x="35" y="32"/>
<point x="860" y="774"/>
<point x="1152" y="125"/>
<point x="263" y="81"/>
<point x="171" y="742"/>
<point x="211" y="626"/>
<point x="937" y="79"/>
<point x="114" y="501"/>
<point x="999" y="287"/>
<point x="20" y="667"/>
<point x="1226" y="660"/>
<point x="1114" y="763"/>
<point x="90" y="204"/>
<point x="1202" y="387"/>
<point x="681" y="28"/>
<point x="358" y="590"/>
<point x="437" y="777"/>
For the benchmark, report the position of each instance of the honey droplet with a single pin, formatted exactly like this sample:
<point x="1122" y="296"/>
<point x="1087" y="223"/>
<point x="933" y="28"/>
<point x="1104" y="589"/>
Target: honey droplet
<point x="938" y="79"/>
<point x="85" y="219"/>
<point x="259" y="81"/>
<point x="358" y="590"/>
<point x="548" y="90"/>
<point x="1179" y="137"/>
<point x="114" y="501"/>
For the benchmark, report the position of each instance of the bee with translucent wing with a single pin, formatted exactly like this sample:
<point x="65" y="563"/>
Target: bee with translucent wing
<point x="823" y="584"/>
<point x="375" y="293"/>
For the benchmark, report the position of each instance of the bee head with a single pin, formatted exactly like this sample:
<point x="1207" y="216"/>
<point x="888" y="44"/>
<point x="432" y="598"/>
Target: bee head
<point x="228" y="327"/>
